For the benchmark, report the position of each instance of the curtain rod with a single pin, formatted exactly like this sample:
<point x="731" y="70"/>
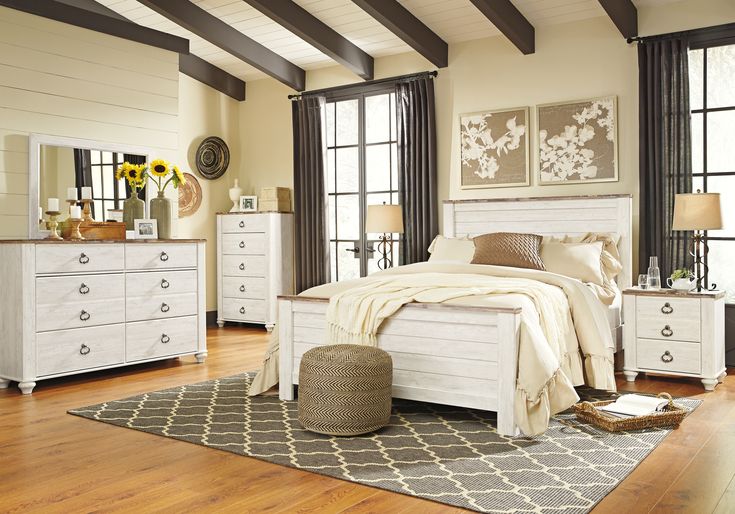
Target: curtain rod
<point x="364" y="84"/>
<point x="698" y="33"/>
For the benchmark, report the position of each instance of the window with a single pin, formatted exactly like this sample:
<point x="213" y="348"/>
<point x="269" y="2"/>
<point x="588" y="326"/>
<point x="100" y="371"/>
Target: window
<point x="107" y="192"/>
<point x="712" y="97"/>
<point x="361" y="171"/>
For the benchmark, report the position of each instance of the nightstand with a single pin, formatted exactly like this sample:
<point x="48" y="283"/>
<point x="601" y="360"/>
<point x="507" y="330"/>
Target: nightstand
<point x="675" y="333"/>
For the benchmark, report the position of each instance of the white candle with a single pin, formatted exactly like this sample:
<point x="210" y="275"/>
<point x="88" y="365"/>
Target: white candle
<point x="86" y="193"/>
<point x="75" y="212"/>
<point x="71" y="193"/>
<point x="53" y="204"/>
<point x="40" y="213"/>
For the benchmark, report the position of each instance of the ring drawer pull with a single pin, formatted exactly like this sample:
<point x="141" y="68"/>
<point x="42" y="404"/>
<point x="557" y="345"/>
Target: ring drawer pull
<point x="667" y="308"/>
<point x="164" y="284"/>
<point x="84" y="349"/>
<point x="242" y="244"/>
<point x="84" y="288"/>
<point x="165" y="307"/>
<point x="83" y="259"/>
<point x="242" y="266"/>
<point x="667" y="332"/>
<point x="667" y="357"/>
<point x="84" y="316"/>
<point x="165" y="338"/>
<point x="242" y="288"/>
<point x="242" y="310"/>
<point x="242" y="224"/>
<point x="164" y="256"/>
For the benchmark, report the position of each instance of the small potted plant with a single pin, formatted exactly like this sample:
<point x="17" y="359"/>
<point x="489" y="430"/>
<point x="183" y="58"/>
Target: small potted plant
<point x="162" y="174"/>
<point x="133" y="207"/>
<point x="681" y="280"/>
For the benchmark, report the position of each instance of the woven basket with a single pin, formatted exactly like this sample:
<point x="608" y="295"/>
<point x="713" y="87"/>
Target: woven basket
<point x="672" y="415"/>
<point x="345" y="389"/>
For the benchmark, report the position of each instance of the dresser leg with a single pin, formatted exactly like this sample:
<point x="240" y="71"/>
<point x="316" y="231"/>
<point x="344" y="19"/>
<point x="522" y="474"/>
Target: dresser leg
<point x="269" y="328"/>
<point x="4" y="383"/>
<point x="220" y="323"/>
<point x="722" y="376"/>
<point x="26" y="387"/>
<point x="710" y="383"/>
<point x="630" y="375"/>
<point x="201" y="357"/>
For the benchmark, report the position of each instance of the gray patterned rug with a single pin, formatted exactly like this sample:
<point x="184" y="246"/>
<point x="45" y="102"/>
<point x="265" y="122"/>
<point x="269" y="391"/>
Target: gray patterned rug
<point x="446" y="454"/>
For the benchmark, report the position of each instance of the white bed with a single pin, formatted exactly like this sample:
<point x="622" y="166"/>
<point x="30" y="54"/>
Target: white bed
<point x="425" y="340"/>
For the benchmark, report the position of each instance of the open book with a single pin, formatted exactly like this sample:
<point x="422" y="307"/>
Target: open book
<point x="630" y="405"/>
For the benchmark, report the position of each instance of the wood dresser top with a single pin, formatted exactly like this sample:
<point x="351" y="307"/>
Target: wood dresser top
<point x="671" y="292"/>
<point x="100" y="241"/>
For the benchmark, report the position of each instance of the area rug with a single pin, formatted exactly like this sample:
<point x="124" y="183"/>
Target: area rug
<point x="446" y="454"/>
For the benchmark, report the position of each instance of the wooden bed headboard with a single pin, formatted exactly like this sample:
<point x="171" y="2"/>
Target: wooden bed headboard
<point x="547" y="216"/>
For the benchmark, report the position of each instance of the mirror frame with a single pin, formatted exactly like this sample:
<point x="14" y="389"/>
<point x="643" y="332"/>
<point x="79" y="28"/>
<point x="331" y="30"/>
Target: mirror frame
<point x="35" y="141"/>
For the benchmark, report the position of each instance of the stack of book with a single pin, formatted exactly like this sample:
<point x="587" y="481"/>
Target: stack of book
<point x="631" y="405"/>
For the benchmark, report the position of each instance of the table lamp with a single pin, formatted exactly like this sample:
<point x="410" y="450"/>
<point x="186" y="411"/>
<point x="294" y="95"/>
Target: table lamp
<point x="698" y="212"/>
<point x="385" y="219"/>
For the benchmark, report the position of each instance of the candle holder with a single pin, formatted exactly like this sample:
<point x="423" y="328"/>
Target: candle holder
<point x="52" y="225"/>
<point x="71" y="203"/>
<point x="86" y="210"/>
<point x="75" y="235"/>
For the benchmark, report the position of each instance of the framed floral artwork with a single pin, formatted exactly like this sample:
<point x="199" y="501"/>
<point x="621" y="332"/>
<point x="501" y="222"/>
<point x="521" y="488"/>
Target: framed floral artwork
<point x="494" y="148"/>
<point x="577" y="141"/>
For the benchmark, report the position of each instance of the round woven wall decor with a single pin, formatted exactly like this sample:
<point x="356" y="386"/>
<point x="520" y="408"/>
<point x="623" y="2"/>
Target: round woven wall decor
<point x="212" y="157"/>
<point x="190" y="196"/>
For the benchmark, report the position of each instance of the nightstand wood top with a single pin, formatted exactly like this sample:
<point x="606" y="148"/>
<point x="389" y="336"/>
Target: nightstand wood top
<point x="673" y="293"/>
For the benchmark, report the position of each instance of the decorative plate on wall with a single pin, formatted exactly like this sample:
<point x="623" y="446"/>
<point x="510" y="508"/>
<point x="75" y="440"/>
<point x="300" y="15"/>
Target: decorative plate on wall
<point x="212" y="157"/>
<point x="190" y="196"/>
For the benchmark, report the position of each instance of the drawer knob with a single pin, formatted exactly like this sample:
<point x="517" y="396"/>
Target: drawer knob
<point x="242" y="288"/>
<point x="242" y="310"/>
<point x="164" y="256"/>
<point x="242" y="224"/>
<point x="667" y="357"/>
<point x="164" y="284"/>
<point x="165" y="307"/>
<point x="83" y="259"/>
<point x="84" y="288"/>
<point x="84" y="349"/>
<point x="242" y="244"/>
<point x="667" y="308"/>
<point x="242" y="266"/>
<point x="165" y="339"/>
<point x="84" y="316"/>
<point x="667" y="332"/>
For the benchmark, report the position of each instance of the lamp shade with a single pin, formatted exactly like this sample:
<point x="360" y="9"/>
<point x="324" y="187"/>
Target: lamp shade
<point x="384" y="219"/>
<point x="697" y="211"/>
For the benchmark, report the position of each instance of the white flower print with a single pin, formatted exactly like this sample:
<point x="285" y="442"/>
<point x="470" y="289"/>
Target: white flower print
<point x="479" y="145"/>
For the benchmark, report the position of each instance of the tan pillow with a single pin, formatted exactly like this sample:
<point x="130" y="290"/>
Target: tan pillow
<point x="509" y="249"/>
<point x="452" y="249"/>
<point x="576" y="260"/>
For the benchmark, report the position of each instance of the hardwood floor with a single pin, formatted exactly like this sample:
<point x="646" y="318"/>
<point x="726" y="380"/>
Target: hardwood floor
<point x="54" y="462"/>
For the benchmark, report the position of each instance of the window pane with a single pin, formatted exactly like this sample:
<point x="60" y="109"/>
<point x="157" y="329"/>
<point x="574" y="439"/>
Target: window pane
<point x="108" y="205"/>
<point x="720" y="73"/>
<point x="121" y="189"/>
<point x="349" y="266"/>
<point x="98" y="210"/>
<point x="720" y="141"/>
<point x="347" y="170"/>
<point x="721" y="271"/>
<point x="96" y="182"/>
<point x="348" y="217"/>
<point x="333" y="261"/>
<point x="107" y="181"/>
<point x="330" y="171"/>
<point x="394" y="166"/>
<point x="332" y="218"/>
<point x="393" y="117"/>
<point x="697" y="143"/>
<point x="330" y="124"/>
<point x="347" y="121"/>
<point x="106" y="157"/>
<point x="725" y="185"/>
<point x="696" y="76"/>
<point x="94" y="157"/>
<point x="377" y="167"/>
<point x="377" y="123"/>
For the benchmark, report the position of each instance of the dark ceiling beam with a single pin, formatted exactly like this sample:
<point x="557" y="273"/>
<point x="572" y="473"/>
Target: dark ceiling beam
<point x="509" y="20"/>
<point x="407" y="27"/>
<point x="72" y="15"/>
<point x="209" y="27"/>
<point x="623" y="14"/>
<point x="298" y="20"/>
<point x="209" y="74"/>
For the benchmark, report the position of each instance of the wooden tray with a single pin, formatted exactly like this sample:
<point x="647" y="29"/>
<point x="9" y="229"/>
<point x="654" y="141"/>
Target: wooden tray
<point x="672" y="415"/>
<point x="100" y="230"/>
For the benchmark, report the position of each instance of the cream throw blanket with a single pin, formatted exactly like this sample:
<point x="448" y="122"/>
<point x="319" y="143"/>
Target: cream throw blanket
<point x="562" y="321"/>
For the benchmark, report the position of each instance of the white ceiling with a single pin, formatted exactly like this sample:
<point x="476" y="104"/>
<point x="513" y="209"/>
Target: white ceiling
<point x="452" y="20"/>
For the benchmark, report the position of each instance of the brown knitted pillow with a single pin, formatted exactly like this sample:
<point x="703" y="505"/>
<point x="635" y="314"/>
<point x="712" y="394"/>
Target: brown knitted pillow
<point x="509" y="249"/>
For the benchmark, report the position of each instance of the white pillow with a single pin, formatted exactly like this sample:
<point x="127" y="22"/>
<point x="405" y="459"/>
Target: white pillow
<point x="450" y="249"/>
<point x="576" y="260"/>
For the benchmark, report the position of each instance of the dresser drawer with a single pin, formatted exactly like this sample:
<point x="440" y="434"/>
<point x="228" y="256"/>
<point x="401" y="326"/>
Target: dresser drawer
<point x="81" y="289"/>
<point x="670" y="356"/>
<point x="160" y="256"/>
<point x="79" y="349"/>
<point x="235" y="223"/>
<point x="141" y="308"/>
<point x="151" y="339"/>
<point x="677" y="319"/>
<point x="244" y="244"/>
<point x="85" y="313"/>
<point x="79" y="258"/>
<point x="244" y="310"/>
<point x="243" y="265"/>
<point x="243" y="287"/>
<point x="157" y="283"/>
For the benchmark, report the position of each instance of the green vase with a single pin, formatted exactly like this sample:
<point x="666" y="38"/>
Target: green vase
<point x="133" y="209"/>
<point x="161" y="210"/>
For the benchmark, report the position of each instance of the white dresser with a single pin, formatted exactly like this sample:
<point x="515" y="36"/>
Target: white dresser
<point x="254" y="266"/>
<point x="71" y="307"/>
<point x="675" y="333"/>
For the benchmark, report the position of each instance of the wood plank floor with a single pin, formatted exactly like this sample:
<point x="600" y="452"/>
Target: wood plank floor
<point x="54" y="462"/>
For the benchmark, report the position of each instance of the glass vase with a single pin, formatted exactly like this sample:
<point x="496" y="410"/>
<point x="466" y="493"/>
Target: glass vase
<point x="161" y="211"/>
<point x="133" y="209"/>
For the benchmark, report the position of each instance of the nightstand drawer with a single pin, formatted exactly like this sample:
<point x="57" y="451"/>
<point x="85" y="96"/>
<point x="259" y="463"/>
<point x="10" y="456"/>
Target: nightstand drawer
<point x="669" y="356"/>
<point x="667" y="318"/>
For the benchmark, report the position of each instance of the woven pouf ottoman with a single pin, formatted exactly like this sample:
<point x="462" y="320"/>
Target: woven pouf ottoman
<point x="345" y="389"/>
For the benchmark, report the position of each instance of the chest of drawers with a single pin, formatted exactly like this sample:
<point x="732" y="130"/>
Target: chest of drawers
<point x="254" y="266"/>
<point x="69" y="307"/>
<point x="676" y="334"/>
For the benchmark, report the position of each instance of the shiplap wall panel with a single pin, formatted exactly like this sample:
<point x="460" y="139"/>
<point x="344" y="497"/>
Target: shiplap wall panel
<point x="63" y="80"/>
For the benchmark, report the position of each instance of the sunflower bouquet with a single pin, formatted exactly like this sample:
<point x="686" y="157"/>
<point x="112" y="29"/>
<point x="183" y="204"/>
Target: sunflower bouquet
<point x="135" y="174"/>
<point x="160" y="169"/>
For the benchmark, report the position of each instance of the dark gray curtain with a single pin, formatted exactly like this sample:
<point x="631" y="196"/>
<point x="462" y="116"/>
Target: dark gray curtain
<point x="310" y="208"/>
<point x="83" y="172"/>
<point x="133" y="159"/>
<point x="417" y="174"/>
<point x="665" y="149"/>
